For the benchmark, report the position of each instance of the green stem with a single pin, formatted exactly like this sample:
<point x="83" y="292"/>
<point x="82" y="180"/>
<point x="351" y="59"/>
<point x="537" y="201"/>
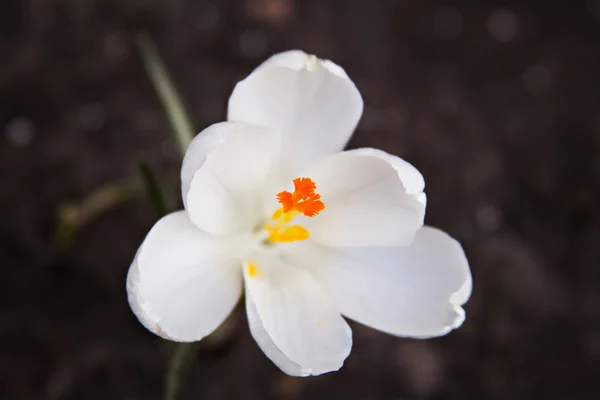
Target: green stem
<point x="182" y="355"/>
<point x="153" y="189"/>
<point x="73" y="216"/>
<point x="181" y="360"/>
<point x="178" y="118"/>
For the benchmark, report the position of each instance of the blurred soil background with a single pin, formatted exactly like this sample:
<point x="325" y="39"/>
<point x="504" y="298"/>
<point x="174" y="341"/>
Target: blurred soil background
<point x="496" y="102"/>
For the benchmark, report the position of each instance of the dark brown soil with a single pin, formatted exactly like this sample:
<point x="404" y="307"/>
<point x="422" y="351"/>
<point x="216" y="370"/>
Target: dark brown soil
<point x="496" y="102"/>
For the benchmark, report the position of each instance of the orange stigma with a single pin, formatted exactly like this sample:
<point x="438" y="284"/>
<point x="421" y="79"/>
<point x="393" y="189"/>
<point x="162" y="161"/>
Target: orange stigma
<point x="304" y="201"/>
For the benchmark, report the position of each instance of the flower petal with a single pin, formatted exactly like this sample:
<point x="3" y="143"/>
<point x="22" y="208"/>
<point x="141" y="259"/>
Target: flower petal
<point x="414" y="291"/>
<point x="366" y="203"/>
<point x="300" y="331"/>
<point x="257" y="329"/>
<point x="232" y="163"/>
<point x="183" y="283"/>
<point x="311" y="103"/>
<point x="199" y="148"/>
<point x="411" y="178"/>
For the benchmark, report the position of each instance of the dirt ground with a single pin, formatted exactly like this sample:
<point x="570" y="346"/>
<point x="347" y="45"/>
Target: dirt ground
<point x="496" y="102"/>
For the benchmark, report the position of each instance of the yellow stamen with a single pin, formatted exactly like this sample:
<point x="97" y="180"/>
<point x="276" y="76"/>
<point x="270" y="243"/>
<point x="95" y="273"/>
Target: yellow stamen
<point x="253" y="271"/>
<point x="290" y="234"/>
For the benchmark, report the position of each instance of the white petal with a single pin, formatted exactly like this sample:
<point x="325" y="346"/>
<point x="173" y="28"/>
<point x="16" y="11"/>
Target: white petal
<point x="414" y="291"/>
<point x="183" y="283"/>
<point x="411" y="178"/>
<point x="200" y="147"/>
<point x="366" y="203"/>
<point x="232" y="164"/>
<point x="297" y="60"/>
<point x="265" y="343"/>
<point x="310" y="103"/>
<point x="304" y="334"/>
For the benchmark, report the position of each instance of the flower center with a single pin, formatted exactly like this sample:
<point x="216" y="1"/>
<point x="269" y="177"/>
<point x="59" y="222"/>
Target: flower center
<point x="303" y="201"/>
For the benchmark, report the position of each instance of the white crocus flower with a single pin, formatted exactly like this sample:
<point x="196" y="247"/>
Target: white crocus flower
<point x="273" y="205"/>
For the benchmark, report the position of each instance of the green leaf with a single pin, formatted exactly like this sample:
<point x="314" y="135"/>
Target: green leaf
<point x="153" y="190"/>
<point x="169" y="97"/>
<point x="73" y="216"/>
